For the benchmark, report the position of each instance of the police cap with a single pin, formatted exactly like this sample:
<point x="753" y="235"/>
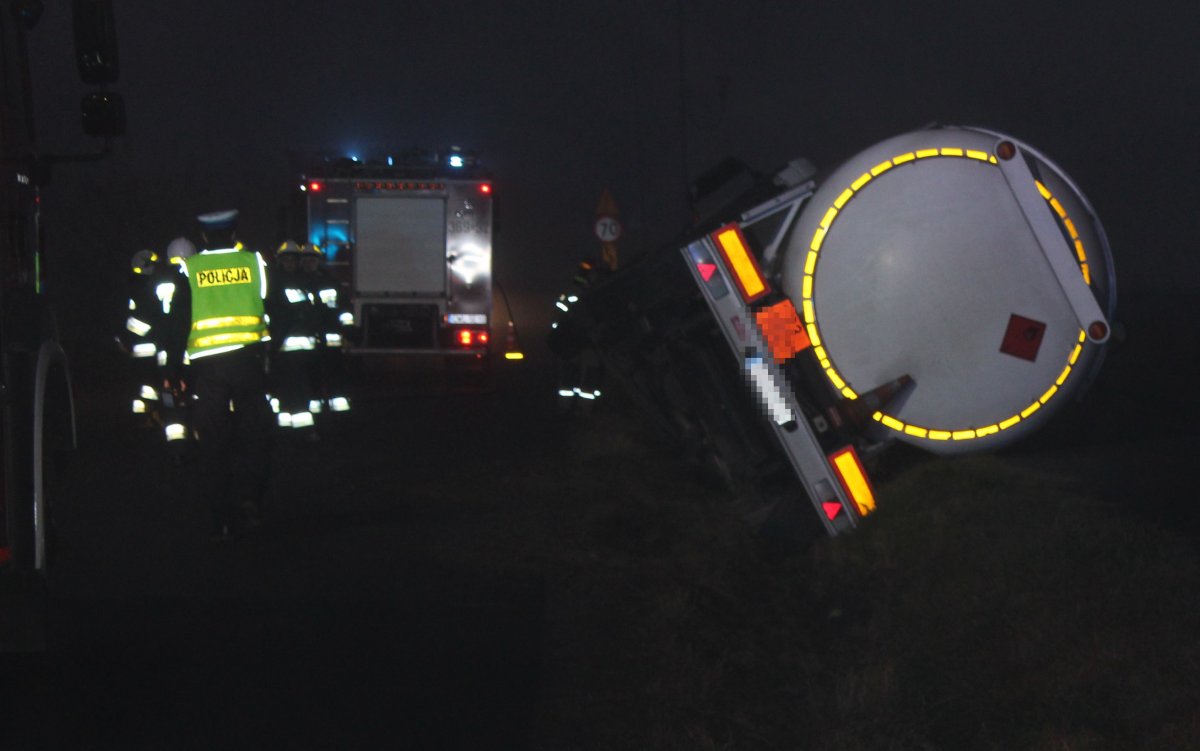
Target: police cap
<point x="217" y="221"/>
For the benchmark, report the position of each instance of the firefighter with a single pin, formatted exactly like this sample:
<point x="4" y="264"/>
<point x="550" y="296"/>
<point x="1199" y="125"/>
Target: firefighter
<point x="218" y="323"/>
<point x="136" y="339"/>
<point x="168" y="278"/>
<point x="295" y="323"/>
<point x="579" y="367"/>
<point x="336" y="322"/>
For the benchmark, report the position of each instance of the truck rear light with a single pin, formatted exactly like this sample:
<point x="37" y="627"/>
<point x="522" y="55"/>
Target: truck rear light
<point x="850" y="473"/>
<point x="485" y="188"/>
<point x="467" y="337"/>
<point x="315" y="186"/>
<point x="732" y="246"/>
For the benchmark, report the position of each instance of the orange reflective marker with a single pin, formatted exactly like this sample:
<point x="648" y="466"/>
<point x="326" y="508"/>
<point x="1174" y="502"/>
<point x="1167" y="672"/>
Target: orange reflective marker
<point x="853" y="478"/>
<point x="732" y="244"/>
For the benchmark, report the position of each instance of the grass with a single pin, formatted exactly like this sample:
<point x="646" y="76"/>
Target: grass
<point x="985" y="606"/>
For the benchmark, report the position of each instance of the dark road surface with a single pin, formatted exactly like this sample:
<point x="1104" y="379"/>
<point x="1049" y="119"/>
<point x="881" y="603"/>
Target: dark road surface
<point x="385" y="604"/>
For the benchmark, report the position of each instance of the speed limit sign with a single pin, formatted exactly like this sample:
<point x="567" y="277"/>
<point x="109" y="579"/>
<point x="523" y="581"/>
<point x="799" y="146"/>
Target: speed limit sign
<point x="608" y="229"/>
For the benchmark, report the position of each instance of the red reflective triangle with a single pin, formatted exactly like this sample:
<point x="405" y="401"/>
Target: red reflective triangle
<point x="832" y="509"/>
<point x="707" y="270"/>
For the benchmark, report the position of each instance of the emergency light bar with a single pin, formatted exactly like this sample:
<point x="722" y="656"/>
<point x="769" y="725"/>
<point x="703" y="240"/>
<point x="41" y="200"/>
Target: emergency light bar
<point x="393" y="185"/>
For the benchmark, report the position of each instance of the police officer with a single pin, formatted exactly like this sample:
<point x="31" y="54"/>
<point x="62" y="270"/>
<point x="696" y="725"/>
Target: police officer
<point x="336" y="321"/>
<point x="295" y="324"/>
<point x="219" y="326"/>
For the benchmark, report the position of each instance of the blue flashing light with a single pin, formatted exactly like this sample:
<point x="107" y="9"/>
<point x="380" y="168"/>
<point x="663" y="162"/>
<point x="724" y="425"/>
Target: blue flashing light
<point x="456" y="161"/>
<point x="327" y="237"/>
<point x="390" y="162"/>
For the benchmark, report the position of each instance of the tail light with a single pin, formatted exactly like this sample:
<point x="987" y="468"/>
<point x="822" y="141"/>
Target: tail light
<point x="471" y="337"/>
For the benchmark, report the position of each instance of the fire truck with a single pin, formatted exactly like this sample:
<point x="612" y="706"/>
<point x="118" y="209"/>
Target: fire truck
<point x="35" y="385"/>
<point x="944" y="291"/>
<point x="409" y="238"/>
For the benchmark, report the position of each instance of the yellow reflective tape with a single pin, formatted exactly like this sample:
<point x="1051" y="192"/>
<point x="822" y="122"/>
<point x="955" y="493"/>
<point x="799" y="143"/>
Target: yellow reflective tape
<point x="1087" y="275"/>
<point x="829" y="217"/>
<point x="1049" y="393"/>
<point x="1058" y="208"/>
<point x="835" y="378"/>
<point x="739" y="258"/>
<point x="818" y="238"/>
<point x="923" y="153"/>
<point x="1079" y="250"/>
<point x="849" y="393"/>
<point x="809" y="314"/>
<point x="1031" y="409"/>
<point x="1082" y="336"/>
<point x="1063" y="376"/>
<point x="243" y="337"/>
<point x="916" y="431"/>
<point x="962" y="435"/>
<point x="992" y="159"/>
<point x="880" y="168"/>
<point x="980" y="155"/>
<point x="807" y="286"/>
<point x="891" y="422"/>
<point x="939" y="435"/>
<point x="904" y="158"/>
<point x="1075" y="354"/>
<point x="1010" y="422"/>
<point x="812" y="335"/>
<point x="819" y="351"/>
<point x="1070" y="227"/>
<point x="861" y="181"/>
<point x="846" y="195"/>
<point x="952" y="152"/>
<point x="212" y="323"/>
<point x="810" y="262"/>
<point x="988" y="430"/>
<point x="1042" y="189"/>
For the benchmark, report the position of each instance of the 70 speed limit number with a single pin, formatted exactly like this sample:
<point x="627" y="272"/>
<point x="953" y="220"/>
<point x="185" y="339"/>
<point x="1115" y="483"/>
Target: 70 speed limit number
<point x="608" y="229"/>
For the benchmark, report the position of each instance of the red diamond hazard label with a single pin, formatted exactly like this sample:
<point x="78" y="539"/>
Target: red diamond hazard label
<point x="1023" y="337"/>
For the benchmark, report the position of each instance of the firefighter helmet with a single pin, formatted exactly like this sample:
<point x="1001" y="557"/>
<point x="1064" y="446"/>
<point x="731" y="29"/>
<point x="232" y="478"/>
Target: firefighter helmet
<point x="141" y="261"/>
<point x="179" y="249"/>
<point x="311" y="249"/>
<point x="288" y="247"/>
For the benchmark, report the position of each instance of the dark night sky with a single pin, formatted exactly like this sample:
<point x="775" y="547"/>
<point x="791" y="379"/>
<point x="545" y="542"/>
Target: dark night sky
<point x="565" y="100"/>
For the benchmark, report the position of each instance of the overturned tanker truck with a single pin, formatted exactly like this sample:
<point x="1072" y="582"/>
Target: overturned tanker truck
<point x="948" y="289"/>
